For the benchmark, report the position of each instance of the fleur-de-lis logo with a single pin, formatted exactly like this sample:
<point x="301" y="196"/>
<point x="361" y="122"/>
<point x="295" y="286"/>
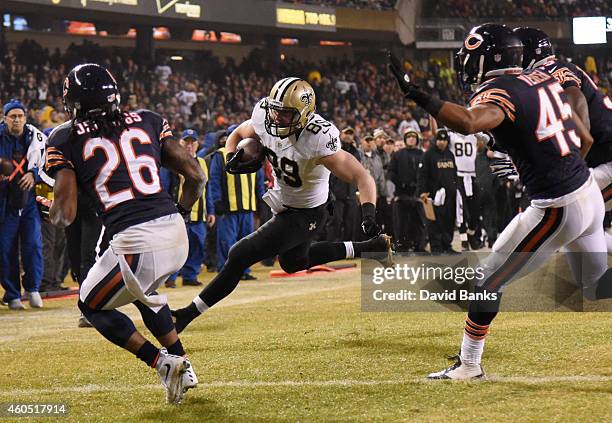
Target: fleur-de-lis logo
<point x="306" y="98"/>
<point x="332" y="144"/>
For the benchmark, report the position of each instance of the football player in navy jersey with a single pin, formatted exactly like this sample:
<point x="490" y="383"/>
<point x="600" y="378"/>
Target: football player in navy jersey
<point x="115" y="157"/>
<point x="593" y="107"/>
<point x="530" y="118"/>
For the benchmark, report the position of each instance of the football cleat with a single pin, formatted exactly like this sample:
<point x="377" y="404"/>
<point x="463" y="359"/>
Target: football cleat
<point x="171" y="369"/>
<point x="381" y="244"/>
<point x="190" y="380"/>
<point x="459" y="371"/>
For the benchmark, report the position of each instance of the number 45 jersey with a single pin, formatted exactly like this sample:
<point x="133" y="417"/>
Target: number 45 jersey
<point x="121" y="172"/>
<point x="299" y="181"/>
<point x="537" y="132"/>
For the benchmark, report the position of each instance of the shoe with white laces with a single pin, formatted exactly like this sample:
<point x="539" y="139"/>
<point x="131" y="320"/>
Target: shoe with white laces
<point x="460" y="371"/>
<point x="35" y="300"/>
<point x="171" y="370"/>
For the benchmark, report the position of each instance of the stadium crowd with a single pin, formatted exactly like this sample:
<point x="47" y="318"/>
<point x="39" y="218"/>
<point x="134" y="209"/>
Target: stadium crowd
<point x="353" y="4"/>
<point x="205" y="96"/>
<point x="545" y="9"/>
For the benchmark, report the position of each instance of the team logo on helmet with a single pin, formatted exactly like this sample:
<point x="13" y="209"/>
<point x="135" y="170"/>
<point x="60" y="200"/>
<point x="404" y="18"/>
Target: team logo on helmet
<point x="473" y="41"/>
<point x="306" y="98"/>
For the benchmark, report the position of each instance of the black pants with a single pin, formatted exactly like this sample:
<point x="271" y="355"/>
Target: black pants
<point x="471" y="209"/>
<point x="82" y="238"/>
<point x="54" y="256"/>
<point x="384" y="215"/>
<point x="409" y="224"/>
<point x="441" y="230"/>
<point x="290" y="235"/>
<point x="490" y="216"/>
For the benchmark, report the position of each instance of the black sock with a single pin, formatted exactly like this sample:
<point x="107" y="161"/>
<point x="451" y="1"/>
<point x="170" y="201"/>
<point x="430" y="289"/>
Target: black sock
<point x="148" y="353"/>
<point x="176" y="348"/>
<point x="604" y="286"/>
<point x="184" y="316"/>
<point x="369" y="246"/>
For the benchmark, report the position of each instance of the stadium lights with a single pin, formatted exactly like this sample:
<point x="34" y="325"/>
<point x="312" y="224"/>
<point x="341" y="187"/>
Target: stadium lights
<point x="176" y="58"/>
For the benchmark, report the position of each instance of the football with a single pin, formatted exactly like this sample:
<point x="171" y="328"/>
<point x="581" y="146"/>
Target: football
<point x="6" y="167"/>
<point x="253" y="150"/>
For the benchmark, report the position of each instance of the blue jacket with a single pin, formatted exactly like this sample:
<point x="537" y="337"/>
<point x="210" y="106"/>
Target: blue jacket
<point x="9" y="145"/>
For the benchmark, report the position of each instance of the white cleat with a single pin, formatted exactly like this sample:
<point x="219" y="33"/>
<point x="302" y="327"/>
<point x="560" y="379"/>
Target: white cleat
<point x="171" y="369"/>
<point x="190" y="380"/>
<point x="459" y="371"/>
<point x="35" y="300"/>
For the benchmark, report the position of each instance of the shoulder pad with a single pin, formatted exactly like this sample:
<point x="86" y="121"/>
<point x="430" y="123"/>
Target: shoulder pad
<point x="60" y="135"/>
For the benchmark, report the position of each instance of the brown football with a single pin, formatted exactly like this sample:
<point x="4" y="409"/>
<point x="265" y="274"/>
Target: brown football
<point x="6" y="167"/>
<point x="253" y="150"/>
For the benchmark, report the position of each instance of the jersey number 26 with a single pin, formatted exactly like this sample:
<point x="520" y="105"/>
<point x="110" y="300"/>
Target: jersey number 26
<point x="134" y="164"/>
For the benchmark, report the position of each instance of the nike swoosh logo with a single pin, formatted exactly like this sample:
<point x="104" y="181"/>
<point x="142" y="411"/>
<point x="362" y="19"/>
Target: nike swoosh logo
<point x="167" y="366"/>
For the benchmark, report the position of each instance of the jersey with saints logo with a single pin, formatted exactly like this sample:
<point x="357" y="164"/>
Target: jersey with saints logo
<point x="299" y="181"/>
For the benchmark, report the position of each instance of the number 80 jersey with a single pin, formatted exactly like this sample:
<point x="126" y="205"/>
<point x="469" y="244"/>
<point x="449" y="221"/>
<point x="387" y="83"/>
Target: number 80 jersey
<point x="299" y="181"/>
<point x="119" y="171"/>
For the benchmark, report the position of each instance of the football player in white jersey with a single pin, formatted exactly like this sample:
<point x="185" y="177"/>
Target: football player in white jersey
<point x="464" y="147"/>
<point x="303" y="149"/>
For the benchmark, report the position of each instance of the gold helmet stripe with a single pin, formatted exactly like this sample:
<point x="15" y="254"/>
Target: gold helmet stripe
<point x="283" y="87"/>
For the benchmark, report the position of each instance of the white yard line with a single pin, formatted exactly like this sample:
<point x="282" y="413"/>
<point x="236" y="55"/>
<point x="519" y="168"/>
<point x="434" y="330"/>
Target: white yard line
<point x="534" y="380"/>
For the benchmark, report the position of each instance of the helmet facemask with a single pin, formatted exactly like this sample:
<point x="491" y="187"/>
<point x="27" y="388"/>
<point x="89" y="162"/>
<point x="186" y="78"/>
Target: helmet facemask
<point x="281" y="121"/>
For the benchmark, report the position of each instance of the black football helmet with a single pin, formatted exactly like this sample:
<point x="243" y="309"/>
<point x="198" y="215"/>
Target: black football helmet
<point x="90" y="92"/>
<point x="488" y="50"/>
<point x="536" y="46"/>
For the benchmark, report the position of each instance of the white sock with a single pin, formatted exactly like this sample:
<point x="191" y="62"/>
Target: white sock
<point x="200" y="305"/>
<point x="350" y="250"/>
<point x="471" y="350"/>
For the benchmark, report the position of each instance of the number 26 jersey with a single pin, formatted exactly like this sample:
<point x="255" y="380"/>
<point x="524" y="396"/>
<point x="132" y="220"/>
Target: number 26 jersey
<point x="299" y="181"/>
<point x="119" y="171"/>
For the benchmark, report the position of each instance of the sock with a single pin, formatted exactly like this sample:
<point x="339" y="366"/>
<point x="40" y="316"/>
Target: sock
<point x="148" y="353"/>
<point x="350" y="251"/>
<point x="472" y="346"/>
<point x="176" y="348"/>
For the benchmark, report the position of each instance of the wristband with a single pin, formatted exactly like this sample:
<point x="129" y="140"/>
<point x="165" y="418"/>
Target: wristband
<point x="182" y="210"/>
<point x="431" y="104"/>
<point x="368" y="210"/>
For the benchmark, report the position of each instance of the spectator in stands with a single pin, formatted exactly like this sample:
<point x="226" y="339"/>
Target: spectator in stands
<point x="20" y="233"/>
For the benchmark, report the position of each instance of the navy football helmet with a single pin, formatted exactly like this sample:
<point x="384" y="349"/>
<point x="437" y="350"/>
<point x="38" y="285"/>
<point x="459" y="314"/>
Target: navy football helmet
<point x="488" y="50"/>
<point x="90" y="92"/>
<point x="536" y="46"/>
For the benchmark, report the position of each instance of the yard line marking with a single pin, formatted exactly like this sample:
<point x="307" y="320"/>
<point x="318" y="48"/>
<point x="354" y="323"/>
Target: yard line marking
<point x="308" y="383"/>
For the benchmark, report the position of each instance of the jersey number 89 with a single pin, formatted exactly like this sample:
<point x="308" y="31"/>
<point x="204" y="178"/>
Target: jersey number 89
<point x="287" y="170"/>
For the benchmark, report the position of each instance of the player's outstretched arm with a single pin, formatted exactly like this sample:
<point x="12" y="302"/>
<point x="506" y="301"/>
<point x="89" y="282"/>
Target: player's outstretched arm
<point x="64" y="207"/>
<point x="482" y="117"/>
<point x="244" y="130"/>
<point x="177" y="159"/>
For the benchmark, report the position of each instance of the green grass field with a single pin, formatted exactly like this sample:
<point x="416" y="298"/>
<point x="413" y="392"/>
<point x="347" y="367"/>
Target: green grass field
<point x="300" y="349"/>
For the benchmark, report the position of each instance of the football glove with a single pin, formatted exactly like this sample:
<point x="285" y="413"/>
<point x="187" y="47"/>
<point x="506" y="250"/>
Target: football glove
<point x="368" y="220"/>
<point x="504" y="169"/>
<point x="412" y="91"/>
<point x="235" y="166"/>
